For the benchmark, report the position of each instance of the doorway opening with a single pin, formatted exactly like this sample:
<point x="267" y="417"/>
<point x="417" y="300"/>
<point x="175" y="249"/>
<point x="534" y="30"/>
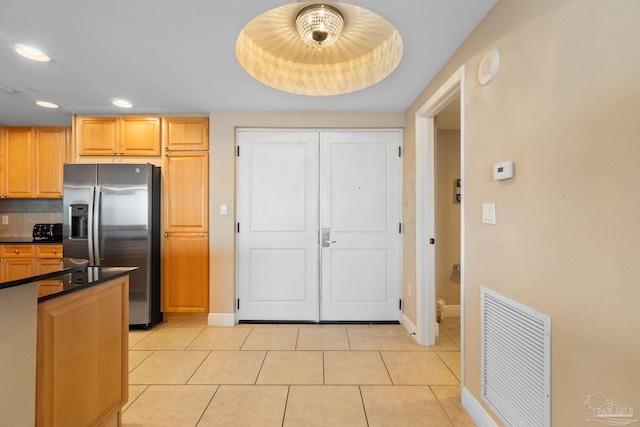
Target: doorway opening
<point x="427" y="327"/>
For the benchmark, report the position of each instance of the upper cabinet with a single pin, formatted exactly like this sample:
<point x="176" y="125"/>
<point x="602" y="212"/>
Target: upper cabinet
<point x="117" y="136"/>
<point x="31" y="161"/>
<point x="185" y="133"/>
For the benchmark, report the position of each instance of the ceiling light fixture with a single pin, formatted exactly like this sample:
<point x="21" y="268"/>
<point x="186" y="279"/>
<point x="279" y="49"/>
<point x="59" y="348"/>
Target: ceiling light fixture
<point x="47" y="104"/>
<point x="319" y="25"/>
<point x="30" y="52"/>
<point x="271" y="49"/>
<point x="122" y="103"/>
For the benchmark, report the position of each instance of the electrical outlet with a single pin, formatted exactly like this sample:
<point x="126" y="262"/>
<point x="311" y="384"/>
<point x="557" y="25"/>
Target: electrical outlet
<point x="5" y="219"/>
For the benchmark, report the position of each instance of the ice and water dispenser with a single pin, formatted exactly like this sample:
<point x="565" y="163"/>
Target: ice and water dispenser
<point x="79" y="221"/>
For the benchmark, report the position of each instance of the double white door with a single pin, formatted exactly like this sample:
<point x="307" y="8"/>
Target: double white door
<point x="318" y="225"/>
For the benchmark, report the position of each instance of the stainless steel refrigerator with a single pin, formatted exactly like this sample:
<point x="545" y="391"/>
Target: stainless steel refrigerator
<point x="111" y="217"/>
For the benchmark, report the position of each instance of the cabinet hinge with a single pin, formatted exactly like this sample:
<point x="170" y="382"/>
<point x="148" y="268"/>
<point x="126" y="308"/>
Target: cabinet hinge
<point x="399" y="151"/>
<point x="238" y="302"/>
<point x="238" y="151"/>
<point x="432" y="241"/>
<point x="400" y="304"/>
<point x="238" y="227"/>
<point x="400" y="227"/>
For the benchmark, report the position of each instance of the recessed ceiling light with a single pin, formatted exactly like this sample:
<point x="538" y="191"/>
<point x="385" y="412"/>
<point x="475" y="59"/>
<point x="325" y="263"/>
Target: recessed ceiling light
<point x="47" y="104"/>
<point x="122" y="103"/>
<point x="30" y="52"/>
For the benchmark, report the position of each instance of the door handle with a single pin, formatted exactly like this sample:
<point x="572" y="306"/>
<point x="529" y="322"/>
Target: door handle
<point x="326" y="237"/>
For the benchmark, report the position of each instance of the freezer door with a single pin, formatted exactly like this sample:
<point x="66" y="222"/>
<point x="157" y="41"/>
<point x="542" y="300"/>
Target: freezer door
<point x="79" y="186"/>
<point x="124" y="229"/>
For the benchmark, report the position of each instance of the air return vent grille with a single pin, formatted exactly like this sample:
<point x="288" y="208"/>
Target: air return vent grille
<point x="516" y="361"/>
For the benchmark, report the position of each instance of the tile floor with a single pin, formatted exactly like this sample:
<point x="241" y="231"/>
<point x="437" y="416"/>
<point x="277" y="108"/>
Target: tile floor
<point x="189" y="374"/>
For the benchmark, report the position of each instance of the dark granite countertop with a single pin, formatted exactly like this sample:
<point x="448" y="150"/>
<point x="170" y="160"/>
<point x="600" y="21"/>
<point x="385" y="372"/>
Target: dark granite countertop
<point x="69" y="265"/>
<point x="13" y="240"/>
<point x="88" y="276"/>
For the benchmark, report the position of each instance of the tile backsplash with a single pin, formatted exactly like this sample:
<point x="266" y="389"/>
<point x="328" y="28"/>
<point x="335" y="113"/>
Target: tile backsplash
<point x="23" y="214"/>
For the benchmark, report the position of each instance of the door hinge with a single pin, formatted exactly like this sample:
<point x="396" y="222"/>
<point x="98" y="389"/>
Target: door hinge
<point x="400" y="227"/>
<point x="238" y="227"/>
<point x="432" y="241"/>
<point x="399" y="151"/>
<point x="238" y="151"/>
<point x="238" y="303"/>
<point x="400" y="304"/>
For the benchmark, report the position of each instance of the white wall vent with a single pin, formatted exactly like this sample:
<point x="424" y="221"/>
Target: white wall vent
<point x="516" y="361"/>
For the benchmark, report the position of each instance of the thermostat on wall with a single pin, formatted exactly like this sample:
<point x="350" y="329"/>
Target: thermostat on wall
<point x="503" y="170"/>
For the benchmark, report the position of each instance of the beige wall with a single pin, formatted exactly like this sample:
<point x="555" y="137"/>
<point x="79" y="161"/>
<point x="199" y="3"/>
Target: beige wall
<point x="565" y="108"/>
<point x="447" y="219"/>
<point x="222" y="127"/>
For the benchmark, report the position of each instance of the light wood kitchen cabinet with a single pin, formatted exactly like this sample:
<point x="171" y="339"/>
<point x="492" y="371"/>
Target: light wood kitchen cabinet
<point x="186" y="192"/>
<point x="51" y="145"/>
<point x="186" y="224"/>
<point x="117" y="136"/>
<point x="32" y="160"/>
<point x="186" y="273"/>
<point x="24" y="260"/>
<point x="185" y="133"/>
<point x="19" y="153"/>
<point x="82" y="356"/>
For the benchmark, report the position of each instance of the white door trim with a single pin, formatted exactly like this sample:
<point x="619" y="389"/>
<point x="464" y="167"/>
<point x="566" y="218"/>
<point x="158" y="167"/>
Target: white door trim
<point x="425" y="209"/>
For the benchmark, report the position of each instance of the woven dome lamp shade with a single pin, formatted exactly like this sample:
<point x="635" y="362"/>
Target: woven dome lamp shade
<point x="272" y="49"/>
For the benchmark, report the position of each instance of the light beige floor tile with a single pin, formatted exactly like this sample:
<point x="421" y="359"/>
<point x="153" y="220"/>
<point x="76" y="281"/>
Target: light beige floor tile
<point x="168" y="339"/>
<point x="271" y="339"/>
<point x="309" y="406"/>
<point x="417" y="368"/>
<point x="298" y="325"/>
<point x="452" y="360"/>
<point x="167" y="367"/>
<point x="169" y="405"/>
<point x="229" y="367"/>
<point x="443" y="343"/>
<point x="354" y="367"/>
<point x="137" y="357"/>
<point x="397" y="406"/>
<point x="136" y="336"/>
<point x="246" y="406"/>
<point x="375" y="338"/>
<point x="134" y="392"/>
<point x="292" y="367"/>
<point x="449" y="397"/>
<point x="220" y="339"/>
<point x="322" y="339"/>
<point x="255" y="325"/>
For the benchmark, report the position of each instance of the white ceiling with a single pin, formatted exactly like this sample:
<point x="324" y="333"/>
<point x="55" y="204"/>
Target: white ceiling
<point x="178" y="57"/>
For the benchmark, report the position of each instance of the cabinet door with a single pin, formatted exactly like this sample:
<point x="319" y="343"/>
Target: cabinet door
<point x="139" y="136"/>
<point x="97" y="136"/>
<point x="19" y="153"/>
<point x="81" y="372"/>
<point x="185" y="133"/>
<point x="18" y="268"/>
<point x="186" y="192"/>
<point x="51" y="143"/>
<point x="3" y="163"/>
<point x="186" y="273"/>
<point x="46" y="287"/>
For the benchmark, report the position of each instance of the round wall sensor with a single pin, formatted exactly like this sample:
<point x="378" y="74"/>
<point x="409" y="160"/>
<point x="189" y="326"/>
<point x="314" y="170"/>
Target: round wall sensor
<point x="488" y="67"/>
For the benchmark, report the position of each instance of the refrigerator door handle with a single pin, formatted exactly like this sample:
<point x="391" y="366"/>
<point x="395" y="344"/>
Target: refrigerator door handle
<point x="90" y="227"/>
<point x="96" y="225"/>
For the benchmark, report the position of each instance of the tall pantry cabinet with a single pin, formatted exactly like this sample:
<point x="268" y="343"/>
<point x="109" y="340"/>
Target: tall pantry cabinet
<point x="185" y="170"/>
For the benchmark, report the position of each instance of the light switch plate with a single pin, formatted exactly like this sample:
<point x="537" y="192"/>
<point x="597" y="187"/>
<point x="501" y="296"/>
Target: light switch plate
<point x="489" y="213"/>
<point x="223" y="209"/>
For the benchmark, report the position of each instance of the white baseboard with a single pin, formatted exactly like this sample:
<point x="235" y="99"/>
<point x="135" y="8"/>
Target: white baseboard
<point x="451" y="311"/>
<point x="475" y="409"/>
<point x="221" y="319"/>
<point x="408" y="325"/>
